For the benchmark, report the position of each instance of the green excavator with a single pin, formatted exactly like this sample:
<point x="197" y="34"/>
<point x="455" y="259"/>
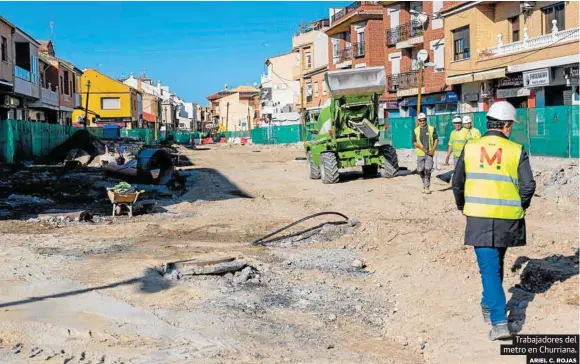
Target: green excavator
<point x="346" y="132"/>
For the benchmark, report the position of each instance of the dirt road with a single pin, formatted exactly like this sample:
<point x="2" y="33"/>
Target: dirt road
<point x="91" y="292"/>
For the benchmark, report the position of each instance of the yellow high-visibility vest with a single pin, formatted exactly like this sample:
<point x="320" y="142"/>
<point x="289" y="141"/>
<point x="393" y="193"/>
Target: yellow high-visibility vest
<point x="457" y="140"/>
<point x="491" y="186"/>
<point x="430" y="132"/>
<point x="472" y="134"/>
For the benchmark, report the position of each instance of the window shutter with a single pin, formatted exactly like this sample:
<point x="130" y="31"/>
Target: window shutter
<point x="466" y="37"/>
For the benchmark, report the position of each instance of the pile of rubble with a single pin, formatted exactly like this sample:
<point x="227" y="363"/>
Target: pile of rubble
<point x="558" y="183"/>
<point x="76" y="175"/>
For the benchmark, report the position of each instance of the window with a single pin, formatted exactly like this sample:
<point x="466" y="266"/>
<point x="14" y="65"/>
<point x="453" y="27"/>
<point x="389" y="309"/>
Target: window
<point x="4" y="50"/>
<point x="323" y="88"/>
<point x="110" y="103"/>
<point x="461" y="43"/>
<point x="309" y="92"/>
<point x="515" y="25"/>
<point x="360" y="44"/>
<point x="61" y="85"/>
<point x="308" y="57"/>
<point x="335" y="43"/>
<point x="66" y="84"/>
<point x="554" y="12"/>
<point x="316" y="89"/>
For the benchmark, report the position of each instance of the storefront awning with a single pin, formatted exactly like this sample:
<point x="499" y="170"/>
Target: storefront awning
<point x="489" y="75"/>
<point x="476" y="76"/>
<point x="148" y="117"/>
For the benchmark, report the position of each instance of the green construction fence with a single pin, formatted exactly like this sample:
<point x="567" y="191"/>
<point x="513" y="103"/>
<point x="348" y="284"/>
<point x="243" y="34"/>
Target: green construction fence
<point x="283" y="134"/>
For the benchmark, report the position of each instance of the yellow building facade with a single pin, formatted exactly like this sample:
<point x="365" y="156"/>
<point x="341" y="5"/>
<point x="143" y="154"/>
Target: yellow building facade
<point x="522" y="52"/>
<point x="110" y="101"/>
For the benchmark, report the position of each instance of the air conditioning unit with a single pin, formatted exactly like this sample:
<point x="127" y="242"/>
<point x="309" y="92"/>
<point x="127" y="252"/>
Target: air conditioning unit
<point x="10" y="101"/>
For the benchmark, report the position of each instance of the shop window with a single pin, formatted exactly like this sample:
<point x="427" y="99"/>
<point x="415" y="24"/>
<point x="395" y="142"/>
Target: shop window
<point x="554" y="12"/>
<point x="515" y="26"/>
<point x="461" y="49"/>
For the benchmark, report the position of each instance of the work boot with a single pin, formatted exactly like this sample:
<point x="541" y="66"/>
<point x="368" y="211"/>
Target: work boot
<point x="499" y="332"/>
<point x="486" y="315"/>
<point x="427" y="191"/>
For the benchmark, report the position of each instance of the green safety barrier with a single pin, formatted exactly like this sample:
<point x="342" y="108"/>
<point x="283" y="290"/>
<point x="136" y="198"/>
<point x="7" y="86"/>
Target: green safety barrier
<point x="22" y="140"/>
<point x="284" y="134"/>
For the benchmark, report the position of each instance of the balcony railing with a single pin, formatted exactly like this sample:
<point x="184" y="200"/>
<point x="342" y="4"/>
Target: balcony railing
<point x="48" y="96"/>
<point x="542" y="41"/>
<point x="359" y="49"/>
<point x="344" y="55"/>
<point x="352" y="7"/>
<point x="21" y="73"/>
<point x="407" y="80"/>
<point x="393" y="83"/>
<point x="404" y="32"/>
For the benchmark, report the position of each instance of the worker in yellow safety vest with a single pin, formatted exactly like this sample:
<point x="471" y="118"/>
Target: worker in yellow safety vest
<point x="469" y="130"/>
<point x="456" y="140"/>
<point x="493" y="185"/>
<point x="425" y="140"/>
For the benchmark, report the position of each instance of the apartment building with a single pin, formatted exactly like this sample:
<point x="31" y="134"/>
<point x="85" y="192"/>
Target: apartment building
<point x="412" y="26"/>
<point x="356" y="36"/>
<point x="232" y="109"/>
<point x="522" y="52"/>
<point x="59" y="85"/>
<point x="278" y="92"/>
<point x="310" y="48"/>
<point x="110" y="101"/>
<point x="26" y="74"/>
<point x="7" y="102"/>
<point x="150" y="101"/>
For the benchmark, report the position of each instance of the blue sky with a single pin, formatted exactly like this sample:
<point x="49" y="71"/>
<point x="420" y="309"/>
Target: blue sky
<point x="194" y="48"/>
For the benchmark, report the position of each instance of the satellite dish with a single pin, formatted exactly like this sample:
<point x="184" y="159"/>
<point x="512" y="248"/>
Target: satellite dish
<point x="422" y="55"/>
<point x="422" y="17"/>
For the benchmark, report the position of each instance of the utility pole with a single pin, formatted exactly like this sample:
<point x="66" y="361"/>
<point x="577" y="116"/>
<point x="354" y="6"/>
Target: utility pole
<point x="87" y="104"/>
<point x="303" y="134"/>
<point x="227" y="117"/>
<point x="249" y="123"/>
<point x="419" y="86"/>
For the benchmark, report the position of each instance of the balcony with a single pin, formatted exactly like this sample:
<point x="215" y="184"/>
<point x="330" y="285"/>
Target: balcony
<point x="22" y="84"/>
<point x="392" y="83"/>
<point x="77" y="100"/>
<point x="543" y="41"/>
<point x="405" y="81"/>
<point x="359" y="49"/>
<point x="405" y="35"/>
<point x="48" y="96"/>
<point x="343" y="55"/>
<point x="21" y="73"/>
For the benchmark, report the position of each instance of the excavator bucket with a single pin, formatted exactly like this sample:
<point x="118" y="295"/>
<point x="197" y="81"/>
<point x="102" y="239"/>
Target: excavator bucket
<point x="356" y="81"/>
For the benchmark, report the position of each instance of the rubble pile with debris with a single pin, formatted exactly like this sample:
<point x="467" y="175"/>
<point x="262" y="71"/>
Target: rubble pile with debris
<point x="69" y="185"/>
<point x="559" y="183"/>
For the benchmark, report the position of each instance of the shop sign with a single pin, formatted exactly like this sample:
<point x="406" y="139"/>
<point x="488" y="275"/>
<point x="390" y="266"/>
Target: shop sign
<point x="537" y="78"/>
<point x="512" y="92"/>
<point x="511" y="81"/>
<point x="390" y="105"/>
<point x="471" y="97"/>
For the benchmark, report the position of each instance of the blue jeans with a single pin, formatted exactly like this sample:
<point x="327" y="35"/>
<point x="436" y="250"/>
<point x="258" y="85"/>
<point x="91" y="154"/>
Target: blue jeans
<point x="490" y="262"/>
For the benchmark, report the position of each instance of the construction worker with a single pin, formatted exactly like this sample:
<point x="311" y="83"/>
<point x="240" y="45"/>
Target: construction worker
<point x="470" y="131"/>
<point x="456" y="140"/>
<point x="493" y="185"/>
<point x="425" y="141"/>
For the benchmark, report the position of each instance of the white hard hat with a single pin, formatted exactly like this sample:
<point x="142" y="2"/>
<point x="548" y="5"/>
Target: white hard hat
<point x="466" y="119"/>
<point x="456" y="119"/>
<point x="502" y="110"/>
<point x="421" y="116"/>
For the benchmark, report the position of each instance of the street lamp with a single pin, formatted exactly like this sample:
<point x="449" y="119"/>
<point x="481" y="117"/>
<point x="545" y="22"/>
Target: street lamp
<point x="88" y="84"/>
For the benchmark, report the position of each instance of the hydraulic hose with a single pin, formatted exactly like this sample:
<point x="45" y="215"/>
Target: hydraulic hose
<point x="346" y="218"/>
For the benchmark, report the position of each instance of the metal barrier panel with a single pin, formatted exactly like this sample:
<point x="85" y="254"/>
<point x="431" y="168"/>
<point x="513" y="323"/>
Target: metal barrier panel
<point x="402" y="132"/>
